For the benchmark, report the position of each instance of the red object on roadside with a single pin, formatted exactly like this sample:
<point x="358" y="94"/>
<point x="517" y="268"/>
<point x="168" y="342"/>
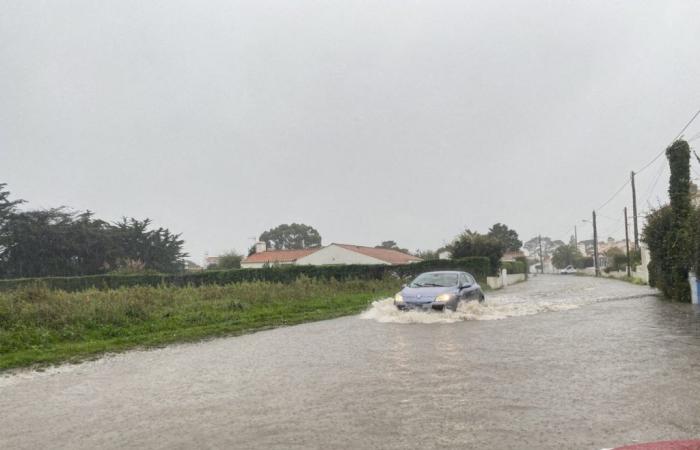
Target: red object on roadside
<point x="665" y="445"/>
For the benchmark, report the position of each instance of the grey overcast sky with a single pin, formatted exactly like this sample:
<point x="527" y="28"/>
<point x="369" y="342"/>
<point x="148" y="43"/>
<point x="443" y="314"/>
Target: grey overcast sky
<point x="369" y="120"/>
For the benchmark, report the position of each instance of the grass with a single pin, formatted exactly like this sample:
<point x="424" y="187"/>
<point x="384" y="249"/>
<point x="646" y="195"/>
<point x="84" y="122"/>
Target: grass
<point x="39" y="326"/>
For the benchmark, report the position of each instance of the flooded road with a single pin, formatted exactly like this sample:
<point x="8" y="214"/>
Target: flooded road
<point x="555" y="363"/>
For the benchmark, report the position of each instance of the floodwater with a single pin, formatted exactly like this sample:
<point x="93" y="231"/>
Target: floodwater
<point x="555" y="363"/>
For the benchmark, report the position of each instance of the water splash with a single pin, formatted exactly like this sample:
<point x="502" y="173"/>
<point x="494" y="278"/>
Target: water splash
<point x="539" y="295"/>
<point x="384" y="311"/>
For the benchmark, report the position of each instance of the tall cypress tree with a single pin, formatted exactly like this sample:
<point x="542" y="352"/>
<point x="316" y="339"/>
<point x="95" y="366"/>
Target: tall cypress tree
<point x="679" y="242"/>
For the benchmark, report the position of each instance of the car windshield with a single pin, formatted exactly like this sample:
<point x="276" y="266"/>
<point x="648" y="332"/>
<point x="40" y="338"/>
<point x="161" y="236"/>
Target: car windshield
<point x="435" y="280"/>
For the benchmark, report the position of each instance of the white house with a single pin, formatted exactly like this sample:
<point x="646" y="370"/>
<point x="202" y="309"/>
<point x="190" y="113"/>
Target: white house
<point x="332" y="254"/>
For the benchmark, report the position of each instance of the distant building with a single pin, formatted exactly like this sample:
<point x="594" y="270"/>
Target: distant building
<point x="512" y="256"/>
<point x="333" y="254"/>
<point x="191" y="266"/>
<point x="211" y="261"/>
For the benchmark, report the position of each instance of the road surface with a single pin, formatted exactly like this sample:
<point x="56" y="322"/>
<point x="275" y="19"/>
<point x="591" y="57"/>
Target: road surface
<point x="558" y="362"/>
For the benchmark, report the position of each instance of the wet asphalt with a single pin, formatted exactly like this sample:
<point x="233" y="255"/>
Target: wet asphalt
<point x="557" y="362"/>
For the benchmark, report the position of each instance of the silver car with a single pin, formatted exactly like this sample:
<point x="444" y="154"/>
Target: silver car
<point x="439" y="290"/>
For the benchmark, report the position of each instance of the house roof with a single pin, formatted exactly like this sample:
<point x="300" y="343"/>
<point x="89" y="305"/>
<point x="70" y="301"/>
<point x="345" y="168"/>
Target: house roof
<point x="273" y="256"/>
<point x="385" y="254"/>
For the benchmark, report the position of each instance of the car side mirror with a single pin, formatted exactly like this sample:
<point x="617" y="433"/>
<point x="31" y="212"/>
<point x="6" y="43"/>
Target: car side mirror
<point x="464" y="286"/>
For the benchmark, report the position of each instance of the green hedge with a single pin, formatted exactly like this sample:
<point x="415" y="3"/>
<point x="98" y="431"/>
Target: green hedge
<point x="477" y="266"/>
<point x="514" y="266"/>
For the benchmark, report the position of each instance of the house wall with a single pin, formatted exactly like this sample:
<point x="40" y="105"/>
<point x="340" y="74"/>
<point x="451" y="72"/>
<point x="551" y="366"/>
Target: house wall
<point x="257" y="265"/>
<point x="337" y="255"/>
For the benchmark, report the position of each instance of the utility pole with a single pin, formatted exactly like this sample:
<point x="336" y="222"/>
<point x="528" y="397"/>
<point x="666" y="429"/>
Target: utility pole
<point x="634" y="212"/>
<point x="539" y="238"/>
<point x="595" y="247"/>
<point x="575" y="237"/>
<point x="627" y="243"/>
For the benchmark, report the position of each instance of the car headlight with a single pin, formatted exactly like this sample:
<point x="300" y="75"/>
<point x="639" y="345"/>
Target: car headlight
<point x="398" y="298"/>
<point x="444" y="297"/>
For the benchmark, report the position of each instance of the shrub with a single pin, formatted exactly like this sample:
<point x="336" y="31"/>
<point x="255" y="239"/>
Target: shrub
<point x="477" y="266"/>
<point x="514" y="266"/>
<point x="669" y="231"/>
<point x="473" y="244"/>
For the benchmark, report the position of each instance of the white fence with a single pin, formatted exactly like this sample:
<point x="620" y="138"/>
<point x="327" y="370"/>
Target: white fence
<point x="504" y="280"/>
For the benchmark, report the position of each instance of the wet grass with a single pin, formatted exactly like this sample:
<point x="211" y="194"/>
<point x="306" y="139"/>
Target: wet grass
<point x="39" y="326"/>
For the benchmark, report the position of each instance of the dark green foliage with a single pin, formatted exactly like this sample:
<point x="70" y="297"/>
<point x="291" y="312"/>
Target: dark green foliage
<point x="229" y="260"/>
<point x="679" y="241"/>
<point x="670" y="231"/>
<point x="514" y="266"/>
<point x="526" y="265"/>
<point x="508" y="237"/>
<point x="60" y="242"/>
<point x="291" y="237"/>
<point x="655" y="233"/>
<point x="471" y="244"/>
<point x="479" y="267"/>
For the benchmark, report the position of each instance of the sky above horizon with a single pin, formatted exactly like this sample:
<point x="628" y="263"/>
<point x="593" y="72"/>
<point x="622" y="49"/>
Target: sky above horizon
<point x="371" y="121"/>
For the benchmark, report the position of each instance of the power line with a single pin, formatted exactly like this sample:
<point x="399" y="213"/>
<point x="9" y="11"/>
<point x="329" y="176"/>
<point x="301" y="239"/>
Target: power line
<point x="650" y="192"/>
<point x="687" y="125"/>
<point x="614" y="195"/>
<point x="674" y="140"/>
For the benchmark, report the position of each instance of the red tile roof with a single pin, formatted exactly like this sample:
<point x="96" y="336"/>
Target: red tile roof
<point x="385" y="254"/>
<point x="273" y="256"/>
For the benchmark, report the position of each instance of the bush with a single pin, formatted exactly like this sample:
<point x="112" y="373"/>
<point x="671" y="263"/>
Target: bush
<point x="473" y="244"/>
<point x="669" y="230"/>
<point x="477" y="266"/>
<point x="514" y="266"/>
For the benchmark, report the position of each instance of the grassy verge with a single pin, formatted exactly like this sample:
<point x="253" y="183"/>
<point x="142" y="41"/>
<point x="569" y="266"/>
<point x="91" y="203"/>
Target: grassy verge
<point x="39" y="326"/>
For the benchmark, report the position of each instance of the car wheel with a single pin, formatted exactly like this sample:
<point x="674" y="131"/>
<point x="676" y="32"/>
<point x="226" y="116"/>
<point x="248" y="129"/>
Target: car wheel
<point x="482" y="299"/>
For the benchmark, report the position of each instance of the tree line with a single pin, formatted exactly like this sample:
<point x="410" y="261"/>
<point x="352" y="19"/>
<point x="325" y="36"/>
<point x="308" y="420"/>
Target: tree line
<point x="63" y="242"/>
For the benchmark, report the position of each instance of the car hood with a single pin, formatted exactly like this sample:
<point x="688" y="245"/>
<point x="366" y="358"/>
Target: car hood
<point x="424" y="294"/>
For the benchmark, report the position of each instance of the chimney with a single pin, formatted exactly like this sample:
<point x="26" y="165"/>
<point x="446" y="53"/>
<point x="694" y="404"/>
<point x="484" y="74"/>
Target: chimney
<point x="260" y="247"/>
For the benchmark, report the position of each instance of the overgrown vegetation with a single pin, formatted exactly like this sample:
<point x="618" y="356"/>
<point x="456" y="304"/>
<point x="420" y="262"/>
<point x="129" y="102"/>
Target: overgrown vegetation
<point x="477" y="266"/>
<point x="514" y="267"/>
<point x="39" y="325"/>
<point x="61" y="242"/>
<point x="473" y="244"/>
<point x="289" y="237"/>
<point x="507" y="237"/>
<point x="671" y="231"/>
<point x="568" y="255"/>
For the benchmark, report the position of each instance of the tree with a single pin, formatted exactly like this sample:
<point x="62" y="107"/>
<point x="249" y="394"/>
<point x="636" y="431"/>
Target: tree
<point x="548" y="246"/>
<point x="617" y="259"/>
<point x="471" y="243"/>
<point x="7" y="207"/>
<point x="291" y="237"/>
<point x="508" y="237"/>
<point x="427" y="254"/>
<point x="671" y="232"/>
<point x="61" y="242"/>
<point x="391" y="245"/>
<point x="230" y="260"/>
<point x="567" y="255"/>
<point x="158" y="249"/>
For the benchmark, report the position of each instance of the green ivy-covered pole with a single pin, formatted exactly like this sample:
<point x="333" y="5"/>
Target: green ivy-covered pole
<point x="679" y="240"/>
